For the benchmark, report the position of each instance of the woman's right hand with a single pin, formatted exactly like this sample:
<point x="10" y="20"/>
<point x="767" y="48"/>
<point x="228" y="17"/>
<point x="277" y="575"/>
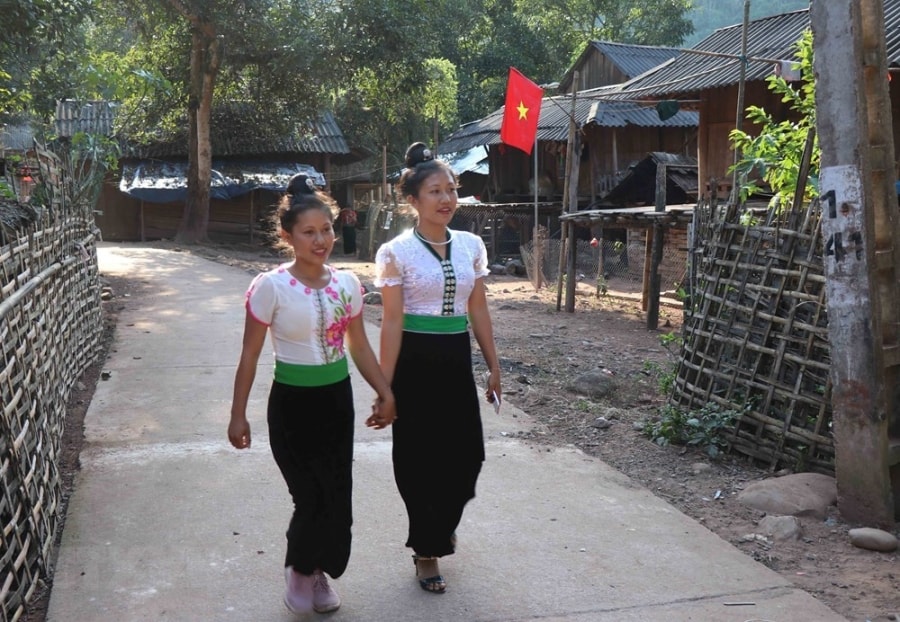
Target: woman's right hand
<point x="384" y="413"/>
<point x="239" y="432"/>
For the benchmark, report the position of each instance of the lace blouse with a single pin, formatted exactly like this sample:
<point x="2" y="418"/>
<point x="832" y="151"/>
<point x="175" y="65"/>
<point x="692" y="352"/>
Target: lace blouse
<point x="432" y="286"/>
<point x="306" y="325"/>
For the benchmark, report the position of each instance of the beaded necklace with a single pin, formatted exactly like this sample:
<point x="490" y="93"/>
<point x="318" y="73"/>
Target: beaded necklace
<point x="427" y="241"/>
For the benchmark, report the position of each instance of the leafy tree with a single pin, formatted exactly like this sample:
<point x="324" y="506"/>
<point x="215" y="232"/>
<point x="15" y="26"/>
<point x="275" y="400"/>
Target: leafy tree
<point x="501" y="35"/>
<point x="776" y="153"/>
<point x="643" y="22"/>
<point x="209" y="52"/>
<point x="39" y="53"/>
<point x="439" y="99"/>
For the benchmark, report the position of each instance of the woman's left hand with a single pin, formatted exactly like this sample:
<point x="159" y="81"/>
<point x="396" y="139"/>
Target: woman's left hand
<point x="493" y="390"/>
<point x="384" y="413"/>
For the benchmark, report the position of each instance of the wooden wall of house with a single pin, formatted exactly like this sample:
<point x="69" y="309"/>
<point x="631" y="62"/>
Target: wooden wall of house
<point x="599" y="168"/>
<point x="718" y="112"/>
<point x="894" y="89"/>
<point x="126" y="219"/>
<point x="511" y="170"/>
<point x="598" y="70"/>
<point x="613" y="149"/>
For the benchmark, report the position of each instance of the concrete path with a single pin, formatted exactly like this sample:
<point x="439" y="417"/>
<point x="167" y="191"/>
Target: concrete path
<point x="168" y="522"/>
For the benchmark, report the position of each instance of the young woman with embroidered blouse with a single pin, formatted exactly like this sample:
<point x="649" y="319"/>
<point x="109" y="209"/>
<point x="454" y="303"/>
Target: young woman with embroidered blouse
<point x="311" y="311"/>
<point x="432" y="286"/>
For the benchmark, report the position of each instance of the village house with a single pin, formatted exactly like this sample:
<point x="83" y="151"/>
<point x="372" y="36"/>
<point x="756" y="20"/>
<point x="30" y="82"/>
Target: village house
<point x="707" y="78"/>
<point x="250" y="172"/>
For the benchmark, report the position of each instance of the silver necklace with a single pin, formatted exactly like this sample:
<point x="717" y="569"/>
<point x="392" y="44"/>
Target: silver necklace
<point x="427" y="241"/>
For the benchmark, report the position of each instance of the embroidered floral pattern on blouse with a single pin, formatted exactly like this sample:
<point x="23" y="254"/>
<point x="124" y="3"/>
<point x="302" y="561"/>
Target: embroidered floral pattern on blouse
<point x="333" y="333"/>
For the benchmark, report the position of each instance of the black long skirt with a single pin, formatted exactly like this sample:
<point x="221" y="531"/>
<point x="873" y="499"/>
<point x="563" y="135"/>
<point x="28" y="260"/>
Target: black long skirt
<point x="438" y="445"/>
<point x="311" y="436"/>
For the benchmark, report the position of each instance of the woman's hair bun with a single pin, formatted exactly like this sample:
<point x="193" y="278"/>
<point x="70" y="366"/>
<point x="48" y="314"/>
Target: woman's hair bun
<point x="416" y="154"/>
<point x="301" y="183"/>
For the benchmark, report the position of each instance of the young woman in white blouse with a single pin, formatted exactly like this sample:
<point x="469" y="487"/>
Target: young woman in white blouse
<point x="310" y="311"/>
<point x="432" y="285"/>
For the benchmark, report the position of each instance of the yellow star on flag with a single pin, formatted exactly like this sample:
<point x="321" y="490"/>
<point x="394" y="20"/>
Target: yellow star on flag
<point x="523" y="111"/>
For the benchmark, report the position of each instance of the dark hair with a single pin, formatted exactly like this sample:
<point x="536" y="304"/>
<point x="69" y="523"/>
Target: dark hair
<point x="420" y="164"/>
<point x="301" y="195"/>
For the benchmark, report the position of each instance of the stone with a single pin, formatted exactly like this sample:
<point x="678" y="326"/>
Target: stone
<point x="799" y="494"/>
<point x="592" y="385"/>
<point x="372" y="298"/>
<point x="781" y="527"/>
<point x="873" y="539"/>
<point x="601" y="423"/>
<point x="700" y="467"/>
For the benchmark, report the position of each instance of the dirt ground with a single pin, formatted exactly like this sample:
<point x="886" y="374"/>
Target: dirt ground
<point x="541" y="351"/>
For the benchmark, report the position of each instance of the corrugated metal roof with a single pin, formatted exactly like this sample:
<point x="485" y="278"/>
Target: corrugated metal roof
<point x="631" y="60"/>
<point x="634" y="60"/>
<point x="591" y="106"/>
<point x="639" y="184"/>
<point x="768" y="39"/>
<point x="17" y="137"/>
<point x="892" y="31"/>
<point x="91" y="117"/>
<point x="237" y="132"/>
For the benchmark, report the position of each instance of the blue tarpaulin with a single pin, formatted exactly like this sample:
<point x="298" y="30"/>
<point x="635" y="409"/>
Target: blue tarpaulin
<point x="166" y="182"/>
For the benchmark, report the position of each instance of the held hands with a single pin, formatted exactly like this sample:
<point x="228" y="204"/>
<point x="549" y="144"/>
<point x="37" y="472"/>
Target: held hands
<point x="493" y="393"/>
<point x="384" y="413"/>
<point x="239" y="433"/>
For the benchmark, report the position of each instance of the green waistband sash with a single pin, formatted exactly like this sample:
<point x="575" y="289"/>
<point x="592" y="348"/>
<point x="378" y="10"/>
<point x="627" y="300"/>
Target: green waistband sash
<point x="311" y="375"/>
<point x="435" y="323"/>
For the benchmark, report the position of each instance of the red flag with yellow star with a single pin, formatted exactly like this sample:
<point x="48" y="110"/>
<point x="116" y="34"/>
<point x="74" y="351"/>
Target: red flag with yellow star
<point x="520" y="115"/>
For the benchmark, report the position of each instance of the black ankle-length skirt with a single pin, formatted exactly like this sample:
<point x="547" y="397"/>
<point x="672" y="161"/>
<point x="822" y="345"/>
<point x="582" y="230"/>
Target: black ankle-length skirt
<point x="438" y="442"/>
<point x="311" y="436"/>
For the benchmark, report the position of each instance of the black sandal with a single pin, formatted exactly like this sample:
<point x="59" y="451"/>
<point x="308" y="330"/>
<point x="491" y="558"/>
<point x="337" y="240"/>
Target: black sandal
<point x="435" y="584"/>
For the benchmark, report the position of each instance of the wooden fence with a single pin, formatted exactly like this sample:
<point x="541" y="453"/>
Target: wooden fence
<point x="756" y="334"/>
<point x="50" y="332"/>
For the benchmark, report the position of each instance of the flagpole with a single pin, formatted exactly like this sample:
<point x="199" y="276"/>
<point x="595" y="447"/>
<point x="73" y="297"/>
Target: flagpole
<point x="537" y="242"/>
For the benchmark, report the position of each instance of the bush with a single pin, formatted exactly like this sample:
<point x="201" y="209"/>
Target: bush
<point x="702" y="428"/>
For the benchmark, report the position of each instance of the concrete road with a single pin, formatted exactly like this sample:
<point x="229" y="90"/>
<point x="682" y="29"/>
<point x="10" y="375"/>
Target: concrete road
<point x="168" y="522"/>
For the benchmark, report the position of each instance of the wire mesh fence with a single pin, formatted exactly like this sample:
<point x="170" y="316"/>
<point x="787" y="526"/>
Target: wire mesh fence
<point x="618" y="262"/>
<point x="611" y="266"/>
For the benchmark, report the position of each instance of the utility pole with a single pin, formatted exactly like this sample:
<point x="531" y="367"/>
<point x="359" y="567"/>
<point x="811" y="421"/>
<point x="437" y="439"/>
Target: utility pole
<point x="862" y="254"/>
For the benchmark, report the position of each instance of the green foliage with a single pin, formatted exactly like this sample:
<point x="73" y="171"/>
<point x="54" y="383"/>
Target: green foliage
<point x="87" y="158"/>
<point x="386" y="68"/>
<point x="775" y="154"/>
<point x="6" y="192"/>
<point x="665" y="374"/>
<point x="439" y="98"/>
<point x="40" y="49"/>
<point x="703" y="429"/>
<point x="585" y="406"/>
<point x="577" y="22"/>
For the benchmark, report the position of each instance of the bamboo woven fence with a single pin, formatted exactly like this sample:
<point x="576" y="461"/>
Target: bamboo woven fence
<point x="50" y="329"/>
<point x="756" y="336"/>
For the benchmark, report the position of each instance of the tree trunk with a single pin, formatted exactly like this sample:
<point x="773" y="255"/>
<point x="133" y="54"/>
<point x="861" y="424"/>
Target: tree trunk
<point x="206" y="53"/>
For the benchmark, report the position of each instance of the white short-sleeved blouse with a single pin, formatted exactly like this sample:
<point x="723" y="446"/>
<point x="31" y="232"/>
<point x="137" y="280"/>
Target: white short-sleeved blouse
<point x="306" y="325"/>
<point x="430" y="286"/>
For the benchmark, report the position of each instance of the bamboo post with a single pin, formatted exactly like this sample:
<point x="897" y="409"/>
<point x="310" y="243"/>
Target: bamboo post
<point x="657" y="250"/>
<point x="739" y="115"/>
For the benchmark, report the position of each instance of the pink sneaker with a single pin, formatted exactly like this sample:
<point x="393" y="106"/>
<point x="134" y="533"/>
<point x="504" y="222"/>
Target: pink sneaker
<point x="324" y="597"/>
<point x="298" y="593"/>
